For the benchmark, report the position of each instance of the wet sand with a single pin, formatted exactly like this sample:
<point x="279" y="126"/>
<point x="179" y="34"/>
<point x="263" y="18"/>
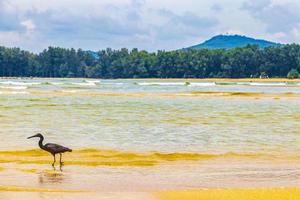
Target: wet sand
<point x="233" y="194"/>
<point x="211" y="179"/>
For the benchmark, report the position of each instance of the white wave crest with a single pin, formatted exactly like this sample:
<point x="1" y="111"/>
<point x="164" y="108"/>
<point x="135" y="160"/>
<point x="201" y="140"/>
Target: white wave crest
<point x="201" y="84"/>
<point x="14" y="92"/>
<point x="14" y="87"/>
<point x="267" y="84"/>
<point x="84" y="84"/>
<point x="243" y="83"/>
<point x="93" y="81"/>
<point x="19" y="83"/>
<point x="107" y="83"/>
<point x="162" y="83"/>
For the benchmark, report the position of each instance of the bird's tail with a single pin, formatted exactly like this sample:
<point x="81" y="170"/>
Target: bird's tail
<point x="69" y="150"/>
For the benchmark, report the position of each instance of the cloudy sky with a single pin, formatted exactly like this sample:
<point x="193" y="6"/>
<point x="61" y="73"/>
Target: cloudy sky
<point x="145" y="24"/>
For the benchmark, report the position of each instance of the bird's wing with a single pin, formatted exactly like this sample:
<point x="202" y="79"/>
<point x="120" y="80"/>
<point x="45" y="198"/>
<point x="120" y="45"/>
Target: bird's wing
<point x="56" y="148"/>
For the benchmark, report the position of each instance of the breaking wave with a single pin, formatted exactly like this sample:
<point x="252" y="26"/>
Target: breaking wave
<point x="162" y="83"/>
<point x="202" y="84"/>
<point x="267" y="84"/>
<point x="13" y="92"/>
<point x="14" y="87"/>
<point x="20" y="83"/>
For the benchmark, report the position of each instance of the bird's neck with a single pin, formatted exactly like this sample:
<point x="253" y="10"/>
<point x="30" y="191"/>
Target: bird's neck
<point x="41" y="142"/>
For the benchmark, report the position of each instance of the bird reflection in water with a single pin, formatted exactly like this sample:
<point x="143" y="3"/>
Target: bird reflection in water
<point x="60" y="167"/>
<point x="51" y="177"/>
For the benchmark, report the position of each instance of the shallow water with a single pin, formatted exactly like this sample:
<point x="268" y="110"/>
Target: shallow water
<point x="133" y="138"/>
<point x="140" y="115"/>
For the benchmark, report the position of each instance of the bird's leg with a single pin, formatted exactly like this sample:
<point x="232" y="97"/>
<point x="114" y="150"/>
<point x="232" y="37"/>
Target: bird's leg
<point x="60" y="167"/>
<point x="53" y="160"/>
<point x="61" y="163"/>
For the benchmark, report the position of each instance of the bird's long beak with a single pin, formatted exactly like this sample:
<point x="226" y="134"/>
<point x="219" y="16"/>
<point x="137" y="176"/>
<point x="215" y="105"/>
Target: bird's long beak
<point x="31" y="136"/>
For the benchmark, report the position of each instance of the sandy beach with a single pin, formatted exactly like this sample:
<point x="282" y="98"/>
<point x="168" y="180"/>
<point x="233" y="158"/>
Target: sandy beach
<point x="120" y="175"/>
<point x="211" y="139"/>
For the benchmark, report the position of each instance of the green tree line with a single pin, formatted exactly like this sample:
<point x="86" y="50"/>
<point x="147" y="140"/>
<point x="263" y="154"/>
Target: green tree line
<point x="244" y="62"/>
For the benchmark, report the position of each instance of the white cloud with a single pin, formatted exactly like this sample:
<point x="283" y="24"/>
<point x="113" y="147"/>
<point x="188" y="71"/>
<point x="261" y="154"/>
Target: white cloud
<point x="234" y="32"/>
<point x="145" y="24"/>
<point x="28" y="24"/>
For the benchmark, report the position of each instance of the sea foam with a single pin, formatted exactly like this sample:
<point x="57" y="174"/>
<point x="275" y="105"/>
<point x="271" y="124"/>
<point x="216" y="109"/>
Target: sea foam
<point x="19" y="83"/>
<point x="202" y="84"/>
<point x="267" y="84"/>
<point x="14" y="87"/>
<point x="162" y="83"/>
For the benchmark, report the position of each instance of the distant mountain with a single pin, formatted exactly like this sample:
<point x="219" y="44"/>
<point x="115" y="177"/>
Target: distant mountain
<point x="232" y="41"/>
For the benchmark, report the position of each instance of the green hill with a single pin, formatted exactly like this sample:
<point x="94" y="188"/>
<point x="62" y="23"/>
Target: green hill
<point x="232" y="41"/>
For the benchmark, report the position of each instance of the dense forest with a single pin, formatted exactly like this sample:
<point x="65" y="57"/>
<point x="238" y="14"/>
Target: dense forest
<point x="243" y="62"/>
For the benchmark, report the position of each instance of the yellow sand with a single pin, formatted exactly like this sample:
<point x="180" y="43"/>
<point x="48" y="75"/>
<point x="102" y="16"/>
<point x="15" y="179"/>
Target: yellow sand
<point x="98" y="157"/>
<point x="28" y="170"/>
<point x="232" y="194"/>
<point x="27" y="189"/>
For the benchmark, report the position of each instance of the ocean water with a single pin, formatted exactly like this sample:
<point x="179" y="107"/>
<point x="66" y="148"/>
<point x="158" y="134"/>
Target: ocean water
<point x="152" y="116"/>
<point x="150" y="139"/>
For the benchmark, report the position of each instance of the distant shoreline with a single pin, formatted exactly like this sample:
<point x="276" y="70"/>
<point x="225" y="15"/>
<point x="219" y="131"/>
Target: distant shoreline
<point x="224" y="79"/>
<point x="172" y="79"/>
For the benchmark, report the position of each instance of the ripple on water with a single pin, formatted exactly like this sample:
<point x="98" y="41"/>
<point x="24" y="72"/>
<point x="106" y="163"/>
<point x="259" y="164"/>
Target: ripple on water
<point x="96" y="157"/>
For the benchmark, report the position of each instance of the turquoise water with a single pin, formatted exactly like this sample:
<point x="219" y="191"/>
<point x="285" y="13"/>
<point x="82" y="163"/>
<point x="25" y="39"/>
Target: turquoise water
<point x="141" y="115"/>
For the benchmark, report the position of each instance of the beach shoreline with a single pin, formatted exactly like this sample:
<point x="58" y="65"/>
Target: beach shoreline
<point x="155" y="140"/>
<point x="167" y="79"/>
<point x="212" y="179"/>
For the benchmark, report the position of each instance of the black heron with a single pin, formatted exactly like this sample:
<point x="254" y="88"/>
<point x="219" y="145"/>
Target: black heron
<point x="51" y="148"/>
